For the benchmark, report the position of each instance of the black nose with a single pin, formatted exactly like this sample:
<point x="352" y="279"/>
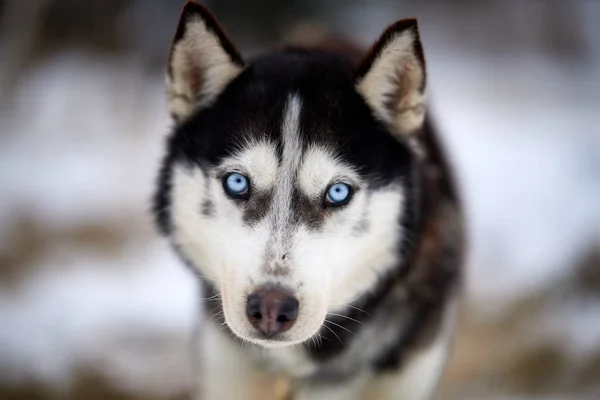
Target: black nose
<point x="271" y="311"/>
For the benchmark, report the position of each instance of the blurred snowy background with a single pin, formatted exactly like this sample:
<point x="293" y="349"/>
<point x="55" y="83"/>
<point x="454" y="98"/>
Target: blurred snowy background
<point x="94" y="306"/>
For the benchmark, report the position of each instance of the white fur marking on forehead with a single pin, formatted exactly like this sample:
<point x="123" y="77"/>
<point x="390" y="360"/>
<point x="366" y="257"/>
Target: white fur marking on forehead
<point x="290" y="136"/>
<point x="291" y="157"/>
<point x="320" y="167"/>
<point x="396" y="74"/>
<point x="201" y="69"/>
<point x="257" y="159"/>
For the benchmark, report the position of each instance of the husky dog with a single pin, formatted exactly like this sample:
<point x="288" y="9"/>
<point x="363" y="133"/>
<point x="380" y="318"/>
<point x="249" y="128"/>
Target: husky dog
<point x="308" y="191"/>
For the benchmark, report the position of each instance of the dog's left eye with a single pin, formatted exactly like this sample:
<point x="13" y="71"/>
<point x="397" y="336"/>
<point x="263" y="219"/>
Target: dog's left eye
<point x="236" y="185"/>
<point x="338" y="194"/>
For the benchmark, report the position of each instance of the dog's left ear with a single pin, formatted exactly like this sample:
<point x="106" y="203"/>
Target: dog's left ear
<point x="201" y="63"/>
<point x="392" y="77"/>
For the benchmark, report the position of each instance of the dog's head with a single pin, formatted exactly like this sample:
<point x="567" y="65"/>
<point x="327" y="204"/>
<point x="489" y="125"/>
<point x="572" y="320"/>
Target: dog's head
<point x="286" y="180"/>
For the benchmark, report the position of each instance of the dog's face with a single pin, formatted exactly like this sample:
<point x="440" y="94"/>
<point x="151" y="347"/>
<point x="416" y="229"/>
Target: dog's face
<point x="286" y="180"/>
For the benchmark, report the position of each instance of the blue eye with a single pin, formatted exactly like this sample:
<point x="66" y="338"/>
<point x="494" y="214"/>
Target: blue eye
<point x="338" y="194"/>
<point x="236" y="185"/>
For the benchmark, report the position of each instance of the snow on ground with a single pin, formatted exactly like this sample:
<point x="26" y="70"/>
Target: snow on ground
<point x="59" y="320"/>
<point x="81" y="146"/>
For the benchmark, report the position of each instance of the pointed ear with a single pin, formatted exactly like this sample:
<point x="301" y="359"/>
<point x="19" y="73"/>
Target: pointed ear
<point x="201" y="63"/>
<point x="392" y="76"/>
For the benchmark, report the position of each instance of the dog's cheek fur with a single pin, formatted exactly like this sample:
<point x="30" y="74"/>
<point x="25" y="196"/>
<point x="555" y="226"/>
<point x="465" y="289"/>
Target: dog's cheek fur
<point x="355" y="248"/>
<point x="230" y="253"/>
<point x="217" y="243"/>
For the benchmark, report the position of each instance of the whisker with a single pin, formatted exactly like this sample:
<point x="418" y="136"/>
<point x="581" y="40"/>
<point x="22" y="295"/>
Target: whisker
<point x="216" y="316"/>
<point x="211" y="298"/>
<point x="314" y="342"/>
<point x="321" y="337"/>
<point x="357" y="309"/>
<point x="207" y="278"/>
<point x="340" y="326"/>
<point x="347" y="317"/>
<point x="335" y="334"/>
<point x="352" y="300"/>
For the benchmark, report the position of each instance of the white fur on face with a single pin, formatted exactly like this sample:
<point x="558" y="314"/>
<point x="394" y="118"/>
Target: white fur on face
<point x="396" y="74"/>
<point x="256" y="160"/>
<point x="280" y="214"/>
<point x="200" y="70"/>
<point x="326" y="267"/>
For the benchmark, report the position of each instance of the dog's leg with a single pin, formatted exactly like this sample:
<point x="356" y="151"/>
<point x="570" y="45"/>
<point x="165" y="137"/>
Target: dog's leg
<point x="224" y="371"/>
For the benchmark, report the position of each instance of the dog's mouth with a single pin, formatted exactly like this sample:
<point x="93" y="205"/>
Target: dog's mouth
<point x="254" y="336"/>
<point x="279" y="340"/>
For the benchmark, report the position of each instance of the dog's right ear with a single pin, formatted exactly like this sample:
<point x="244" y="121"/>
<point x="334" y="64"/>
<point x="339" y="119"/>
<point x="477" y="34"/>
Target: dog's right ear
<point x="392" y="79"/>
<point x="201" y="63"/>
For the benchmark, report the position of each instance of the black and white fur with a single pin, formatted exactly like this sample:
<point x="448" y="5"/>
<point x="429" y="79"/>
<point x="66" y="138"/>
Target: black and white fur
<point x="377" y="280"/>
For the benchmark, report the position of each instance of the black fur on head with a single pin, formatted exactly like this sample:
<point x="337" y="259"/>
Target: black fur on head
<point x="250" y="104"/>
<point x="333" y="114"/>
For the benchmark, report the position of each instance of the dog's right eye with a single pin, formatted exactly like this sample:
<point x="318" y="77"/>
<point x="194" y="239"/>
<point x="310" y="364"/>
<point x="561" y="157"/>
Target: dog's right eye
<point x="338" y="194"/>
<point x="236" y="185"/>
